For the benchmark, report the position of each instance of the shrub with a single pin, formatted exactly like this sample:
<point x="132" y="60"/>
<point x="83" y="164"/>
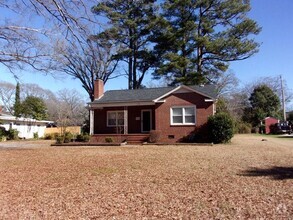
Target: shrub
<point x="68" y="137"/>
<point x="3" y="138"/>
<point x="55" y="135"/>
<point x="79" y="138"/>
<point x="12" y="134"/>
<point x="2" y="132"/>
<point x="59" y="139"/>
<point x="154" y="136"/>
<point x="254" y="130"/>
<point x="108" y="140"/>
<point x="243" y="128"/>
<point x="220" y="128"/>
<point x="82" y="137"/>
<point x="49" y="137"/>
<point x="86" y="138"/>
<point x="36" y="135"/>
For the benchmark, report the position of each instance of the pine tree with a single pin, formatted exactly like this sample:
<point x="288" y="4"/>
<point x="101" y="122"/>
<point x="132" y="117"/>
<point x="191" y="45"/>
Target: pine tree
<point x="131" y="22"/>
<point x="17" y="103"/>
<point x="198" y="38"/>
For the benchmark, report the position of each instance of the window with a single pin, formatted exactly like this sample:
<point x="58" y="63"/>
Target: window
<point x="115" y="118"/>
<point x="183" y="115"/>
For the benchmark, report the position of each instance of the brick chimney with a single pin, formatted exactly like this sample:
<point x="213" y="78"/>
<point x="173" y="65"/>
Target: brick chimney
<point x="98" y="88"/>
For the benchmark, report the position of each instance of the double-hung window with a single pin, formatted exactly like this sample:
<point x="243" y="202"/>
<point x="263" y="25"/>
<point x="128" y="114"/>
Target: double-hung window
<point x="183" y="115"/>
<point x="115" y="118"/>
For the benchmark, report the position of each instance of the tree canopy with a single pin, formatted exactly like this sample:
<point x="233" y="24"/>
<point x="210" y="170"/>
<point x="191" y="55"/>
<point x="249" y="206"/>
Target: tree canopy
<point x="263" y="103"/>
<point x="196" y="40"/>
<point x="130" y="25"/>
<point x="34" y="107"/>
<point x="186" y="41"/>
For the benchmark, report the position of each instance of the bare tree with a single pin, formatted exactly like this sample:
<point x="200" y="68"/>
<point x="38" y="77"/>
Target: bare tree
<point x="226" y="84"/>
<point x="31" y="89"/>
<point x="60" y="42"/>
<point x="7" y="95"/>
<point x="274" y="83"/>
<point x="70" y="109"/>
<point x="86" y="61"/>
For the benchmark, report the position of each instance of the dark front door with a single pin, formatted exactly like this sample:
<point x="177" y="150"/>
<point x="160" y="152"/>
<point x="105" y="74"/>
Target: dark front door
<point x="146" y="120"/>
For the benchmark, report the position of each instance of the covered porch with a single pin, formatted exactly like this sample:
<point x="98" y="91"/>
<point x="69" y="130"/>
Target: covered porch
<point x="130" y="124"/>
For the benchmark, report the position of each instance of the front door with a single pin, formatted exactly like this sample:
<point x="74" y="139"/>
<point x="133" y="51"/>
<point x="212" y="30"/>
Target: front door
<point x="146" y="120"/>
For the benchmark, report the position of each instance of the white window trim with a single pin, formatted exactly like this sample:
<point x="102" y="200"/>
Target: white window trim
<point x="119" y="111"/>
<point x="183" y="115"/>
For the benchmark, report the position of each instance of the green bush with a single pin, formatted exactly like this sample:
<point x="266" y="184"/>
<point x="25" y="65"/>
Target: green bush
<point x="108" y="140"/>
<point x="12" y="134"/>
<point x="36" y="135"/>
<point x="50" y="137"/>
<point x="79" y="138"/>
<point x="82" y="137"/>
<point x="59" y="139"/>
<point x="68" y="137"/>
<point x="243" y="128"/>
<point x="2" y="132"/>
<point x="86" y="138"/>
<point x="220" y="128"/>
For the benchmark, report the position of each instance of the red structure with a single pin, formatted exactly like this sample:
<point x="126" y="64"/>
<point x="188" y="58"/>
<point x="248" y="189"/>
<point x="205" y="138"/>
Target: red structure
<point x="268" y="122"/>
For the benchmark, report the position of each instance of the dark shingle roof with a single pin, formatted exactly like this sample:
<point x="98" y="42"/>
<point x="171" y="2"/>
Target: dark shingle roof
<point x="208" y="90"/>
<point x="150" y="94"/>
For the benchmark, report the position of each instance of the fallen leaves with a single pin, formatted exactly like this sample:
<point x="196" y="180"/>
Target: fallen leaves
<point x="147" y="182"/>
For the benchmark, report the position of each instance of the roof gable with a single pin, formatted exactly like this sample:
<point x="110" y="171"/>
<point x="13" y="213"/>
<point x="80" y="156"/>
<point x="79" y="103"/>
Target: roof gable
<point x="207" y="92"/>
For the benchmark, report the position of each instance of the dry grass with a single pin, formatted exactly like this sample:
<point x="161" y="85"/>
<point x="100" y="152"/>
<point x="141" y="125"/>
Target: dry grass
<point x="248" y="179"/>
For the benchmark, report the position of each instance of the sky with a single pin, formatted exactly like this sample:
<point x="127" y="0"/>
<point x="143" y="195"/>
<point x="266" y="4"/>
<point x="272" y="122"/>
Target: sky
<point x="274" y="58"/>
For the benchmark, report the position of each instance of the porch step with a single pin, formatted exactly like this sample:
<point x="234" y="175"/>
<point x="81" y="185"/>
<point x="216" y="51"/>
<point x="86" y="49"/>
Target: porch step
<point x="137" y="139"/>
<point x="129" y="138"/>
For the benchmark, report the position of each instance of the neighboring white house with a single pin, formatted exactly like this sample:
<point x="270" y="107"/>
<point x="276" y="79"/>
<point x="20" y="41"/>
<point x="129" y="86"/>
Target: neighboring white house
<point x="25" y="126"/>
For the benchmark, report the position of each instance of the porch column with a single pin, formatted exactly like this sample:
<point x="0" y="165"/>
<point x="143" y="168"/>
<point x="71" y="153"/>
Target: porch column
<point x="125" y="120"/>
<point x="91" y="122"/>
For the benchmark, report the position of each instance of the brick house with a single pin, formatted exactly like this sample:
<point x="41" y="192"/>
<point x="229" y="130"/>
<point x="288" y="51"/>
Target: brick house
<point x="129" y="115"/>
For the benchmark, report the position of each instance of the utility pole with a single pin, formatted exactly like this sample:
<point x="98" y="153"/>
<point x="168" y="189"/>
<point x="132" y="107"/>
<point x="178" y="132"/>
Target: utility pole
<point x="283" y="99"/>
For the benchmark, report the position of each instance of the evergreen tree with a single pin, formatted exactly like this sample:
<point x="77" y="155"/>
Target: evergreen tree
<point x="34" y="107"/>
<point x="17" y="103"/>
<point x="131" y="22"/>
<point x="198" y="38"/>
<point x="263" y="103"/>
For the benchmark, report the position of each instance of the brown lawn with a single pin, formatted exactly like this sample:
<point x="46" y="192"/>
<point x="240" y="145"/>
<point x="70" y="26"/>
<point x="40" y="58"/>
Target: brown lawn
<point x="247" y="179"/>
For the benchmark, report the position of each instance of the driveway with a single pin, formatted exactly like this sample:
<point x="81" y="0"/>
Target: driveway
<point x="26" y="143"/>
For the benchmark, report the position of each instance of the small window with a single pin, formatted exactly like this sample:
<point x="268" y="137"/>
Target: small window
<point x="115" y="118"/>
<point x="183" y="115"/>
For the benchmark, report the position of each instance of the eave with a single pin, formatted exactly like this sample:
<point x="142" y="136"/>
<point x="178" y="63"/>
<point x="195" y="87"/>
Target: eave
<point x="119" y="104"/>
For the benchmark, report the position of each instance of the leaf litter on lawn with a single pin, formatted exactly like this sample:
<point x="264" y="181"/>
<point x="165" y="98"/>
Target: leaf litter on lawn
<point x="151" y="182"/>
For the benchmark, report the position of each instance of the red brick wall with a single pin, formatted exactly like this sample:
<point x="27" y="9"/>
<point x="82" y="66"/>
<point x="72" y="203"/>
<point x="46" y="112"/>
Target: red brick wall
<point x="163" y="123"/>
<point x="98" y="88"/>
